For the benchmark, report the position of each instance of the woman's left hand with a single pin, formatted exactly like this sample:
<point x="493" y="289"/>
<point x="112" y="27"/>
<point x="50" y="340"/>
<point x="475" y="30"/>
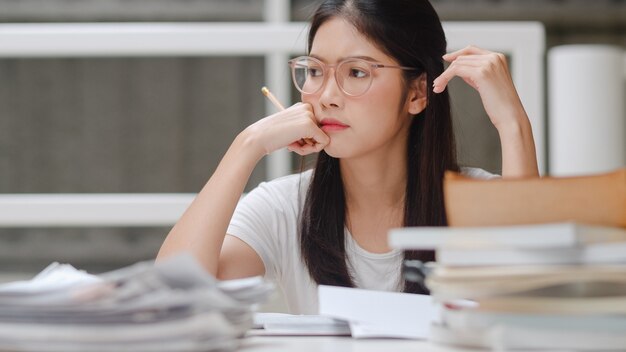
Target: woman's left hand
<point x="488" y="73"/>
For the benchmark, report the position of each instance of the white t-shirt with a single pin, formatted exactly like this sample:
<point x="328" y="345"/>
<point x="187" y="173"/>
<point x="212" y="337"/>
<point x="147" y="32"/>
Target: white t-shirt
<point x="267" y="219"/>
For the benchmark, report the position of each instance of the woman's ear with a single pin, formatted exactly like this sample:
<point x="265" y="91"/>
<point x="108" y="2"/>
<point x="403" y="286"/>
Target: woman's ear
<point x="418" y="95"/>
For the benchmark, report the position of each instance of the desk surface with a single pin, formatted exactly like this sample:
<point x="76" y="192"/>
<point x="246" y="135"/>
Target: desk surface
<point x="334" y="343"/>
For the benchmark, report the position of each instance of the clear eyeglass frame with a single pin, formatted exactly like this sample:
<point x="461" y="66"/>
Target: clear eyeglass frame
<point x="302" y="65"/>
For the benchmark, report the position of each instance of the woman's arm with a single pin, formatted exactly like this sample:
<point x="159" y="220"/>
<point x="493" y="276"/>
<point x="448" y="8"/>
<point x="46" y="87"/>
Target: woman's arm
<point x="488" y="73"/>
<point x="202" y="228"/>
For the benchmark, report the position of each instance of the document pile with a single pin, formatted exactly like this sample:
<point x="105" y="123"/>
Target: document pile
<point x="170" y="306"/>
<point x="551" y="286"/>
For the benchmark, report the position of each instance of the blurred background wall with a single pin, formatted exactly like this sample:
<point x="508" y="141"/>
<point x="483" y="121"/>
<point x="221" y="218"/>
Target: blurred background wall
<point x="162" y="124"/>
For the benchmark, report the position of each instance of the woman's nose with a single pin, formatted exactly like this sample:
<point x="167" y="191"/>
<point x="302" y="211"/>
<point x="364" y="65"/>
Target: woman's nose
<point x="330" y="95"/>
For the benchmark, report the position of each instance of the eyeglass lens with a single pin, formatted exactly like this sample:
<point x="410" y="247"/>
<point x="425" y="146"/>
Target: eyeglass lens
<point x="353" y="76"/>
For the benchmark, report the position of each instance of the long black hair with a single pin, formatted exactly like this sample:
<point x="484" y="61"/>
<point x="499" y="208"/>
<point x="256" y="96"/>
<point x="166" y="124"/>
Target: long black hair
<point x="409" y="31"/>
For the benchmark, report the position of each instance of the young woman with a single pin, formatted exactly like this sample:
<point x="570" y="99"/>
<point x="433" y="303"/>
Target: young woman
<point x="375" y="107"/>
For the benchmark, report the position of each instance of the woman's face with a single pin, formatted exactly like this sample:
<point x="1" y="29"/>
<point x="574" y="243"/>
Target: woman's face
<point x="375" y="119"/>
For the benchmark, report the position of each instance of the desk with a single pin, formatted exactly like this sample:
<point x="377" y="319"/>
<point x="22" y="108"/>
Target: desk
<point x="258" y="343"/>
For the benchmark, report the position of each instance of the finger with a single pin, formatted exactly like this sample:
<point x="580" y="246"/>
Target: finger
<point x="471" y="58"/>
<point x="440" y="83"/>
<point x="305" y="141"/>
<point x="496" y="58"/>
<point x="470" y="74"/>
<point x="468" y="50"/>
<point x="495" y="63"/>
<point x="295" y="147"/>
<point x="309" y="107"/>
<point x="310" y="149"/>
<point x="318" y="141"/>
<point x="319" y="147"/>
<point x="301" y="150"/>
<point x="320" y="137"/>
<point x="315" y="135"/>
<point x="467" y="71"/>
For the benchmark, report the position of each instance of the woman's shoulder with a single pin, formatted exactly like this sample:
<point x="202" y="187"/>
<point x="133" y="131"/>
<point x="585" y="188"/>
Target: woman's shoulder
<point x="288" y="182"/>
<point x="475" y="172"/>
<point x="286" y="187"/>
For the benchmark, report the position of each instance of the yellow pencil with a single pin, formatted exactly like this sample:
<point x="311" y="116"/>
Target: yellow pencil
<point x="280" y="106"/>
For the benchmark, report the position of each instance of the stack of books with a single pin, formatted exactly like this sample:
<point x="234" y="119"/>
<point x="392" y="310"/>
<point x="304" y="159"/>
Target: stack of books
<point x="170" y="306"/>
<point x="547" y="286"/>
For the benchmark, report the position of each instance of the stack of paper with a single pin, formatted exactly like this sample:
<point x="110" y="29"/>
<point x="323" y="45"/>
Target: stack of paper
<point x="171" y="306"/>
<point x="532" y="287"/>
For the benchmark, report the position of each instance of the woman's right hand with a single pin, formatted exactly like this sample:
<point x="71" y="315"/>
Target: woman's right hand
<point x="205" y="236"/>
<point x="295" y="128"/>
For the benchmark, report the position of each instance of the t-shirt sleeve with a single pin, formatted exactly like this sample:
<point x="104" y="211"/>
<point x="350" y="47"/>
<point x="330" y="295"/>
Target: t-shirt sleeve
<point x="475" y="172"/>
<point x="259" y="220"/>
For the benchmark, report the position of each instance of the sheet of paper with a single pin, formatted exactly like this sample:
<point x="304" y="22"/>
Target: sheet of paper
<point x="379" y="313"/>
<point x="54" y="277"/>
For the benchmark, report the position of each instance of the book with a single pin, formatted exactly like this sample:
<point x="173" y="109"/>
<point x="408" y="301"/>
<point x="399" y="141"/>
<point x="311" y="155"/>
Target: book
<point x="592" y="199"/>
<point x="460" y="318"/>
<point x="553" y="235"/>
<point x="558" y="281"/>
<point x="575" y="307"/>
<point x="604" y="253"/>
<point x="504" y="338"/>
<point x="467" y="323"/>
<point x="281" y="324"/>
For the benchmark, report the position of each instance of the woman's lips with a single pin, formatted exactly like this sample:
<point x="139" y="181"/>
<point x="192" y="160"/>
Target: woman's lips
<point x="328" y="125"/>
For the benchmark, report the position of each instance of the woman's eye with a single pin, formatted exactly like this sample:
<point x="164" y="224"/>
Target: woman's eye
<point x="315" y="72"/>
<point x="357" y="73"/>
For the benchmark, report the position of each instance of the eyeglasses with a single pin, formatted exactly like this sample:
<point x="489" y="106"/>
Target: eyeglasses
<point x="353" y="76"/>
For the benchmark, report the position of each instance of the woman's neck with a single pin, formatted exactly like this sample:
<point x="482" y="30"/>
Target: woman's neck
<point x="375" y="191"/>
<point x="376" y="180"/>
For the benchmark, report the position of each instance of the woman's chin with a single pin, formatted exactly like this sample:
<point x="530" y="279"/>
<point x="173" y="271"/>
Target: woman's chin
<point x="334" y="151"/>
<point x="331" y="151"/>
